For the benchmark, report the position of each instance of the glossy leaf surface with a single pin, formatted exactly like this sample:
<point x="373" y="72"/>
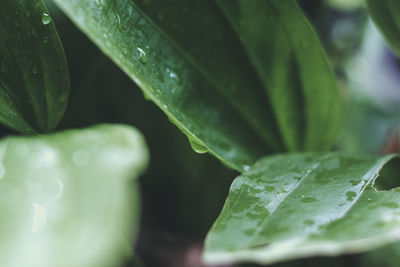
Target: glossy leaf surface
<point x="69" y="199"/>
<point x="386" y="15"/>
<point x="196" y="71"/>
<point x="292" y="65"/>
<point x="34" y="81"/>
<point x="298" y="205"/>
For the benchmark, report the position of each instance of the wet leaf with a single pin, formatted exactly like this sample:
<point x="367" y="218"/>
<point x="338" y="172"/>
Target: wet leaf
<point x="298" y="205"/>
<point x="70" y="199"/>
<point x="293" y="67"/>
<point x="198" y="73"/>
<point x="34" y="81"/>
<point x="386" y="15"/>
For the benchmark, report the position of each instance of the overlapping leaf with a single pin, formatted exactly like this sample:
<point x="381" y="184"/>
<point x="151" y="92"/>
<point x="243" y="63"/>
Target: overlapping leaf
<point x="298" y="205"/>
<point x="293" y="67"/>
<point x="386" y="14"/>
<point x="186" y="57"/>
<point x="68" y="199"/>
<point x="34" y="81"/>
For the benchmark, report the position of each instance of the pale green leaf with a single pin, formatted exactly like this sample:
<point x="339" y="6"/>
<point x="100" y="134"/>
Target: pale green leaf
<point x="70" y="199"/>
<point x="386" y="15"/>
<point x="298" y="205"/>
<point x="34" y="80"/>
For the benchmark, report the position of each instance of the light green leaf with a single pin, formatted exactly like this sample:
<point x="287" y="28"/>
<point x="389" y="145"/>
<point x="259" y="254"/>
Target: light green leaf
<point x="298" y="205"/>
<point x="34" y="80"/>
<point x="69" y="199"/>
<point x="293" y="67"/>
<point x="386" y="15"/>
<point x="186" y="57"/>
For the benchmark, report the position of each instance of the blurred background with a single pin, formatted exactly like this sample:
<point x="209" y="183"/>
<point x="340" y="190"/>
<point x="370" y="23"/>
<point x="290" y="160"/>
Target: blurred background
<point x="182" y="191"/>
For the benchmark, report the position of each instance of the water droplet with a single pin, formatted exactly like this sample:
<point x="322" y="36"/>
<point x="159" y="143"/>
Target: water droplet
<point x="35" y="69"/>
<point x="45" y="19"/>
<point x="142" y="55"/>
<point x="351" y="195"/>
<point x="81" y="157"/>
<point x="99" y="2"/>
<point x="308" y="199"/>
<point x="165" y="106"/>
<point x="199" y="148"/>
<point x="39" y="217"/>
<point x="172" y="74"/>
<point x="45" y="40"/>
<point x="246" y="167"/>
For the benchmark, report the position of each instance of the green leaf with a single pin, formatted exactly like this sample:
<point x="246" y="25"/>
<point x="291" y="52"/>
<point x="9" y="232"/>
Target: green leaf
<point x="191" y="63"/>
<point x="68" y="199"/>
<point x="293" y="67"/>
<point x="298" y="205"/>
<point x="34" y="80"/>
<point x="386" y="15"/>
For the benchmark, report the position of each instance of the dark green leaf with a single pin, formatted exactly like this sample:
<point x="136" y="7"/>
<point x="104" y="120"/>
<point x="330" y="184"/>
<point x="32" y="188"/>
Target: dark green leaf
<point x="386" y="15"/>
<point x="190" y="62"/>
<point x="69" y="199"/>
<point x="298" y="205"/>
<point x="293" y="67"/>
<point x="34" y="82"/>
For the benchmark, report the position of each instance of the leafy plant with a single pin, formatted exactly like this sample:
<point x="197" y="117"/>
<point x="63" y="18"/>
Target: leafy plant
<point x="246" y="81"/>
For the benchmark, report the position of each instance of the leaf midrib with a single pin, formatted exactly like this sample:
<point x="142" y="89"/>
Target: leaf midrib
<point x="198" y="68"/>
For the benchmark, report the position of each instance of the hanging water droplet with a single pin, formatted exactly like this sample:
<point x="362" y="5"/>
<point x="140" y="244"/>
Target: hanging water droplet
<point x="142" y="55"/>
<point x="45" y="19"/>
<point x="199" y="148"/>
<point x="45" y="40"/>
<point x="246" y="167"/>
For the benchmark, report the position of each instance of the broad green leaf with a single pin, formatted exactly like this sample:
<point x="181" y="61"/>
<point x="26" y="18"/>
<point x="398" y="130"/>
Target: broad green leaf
<point x="34" y="81"/>
<point x="191" y="63"/>
<point x="69" y="199"/>
<point x="293" y="67"/>
<point x="298" y="205"/>
<point x="386" y="15"/>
